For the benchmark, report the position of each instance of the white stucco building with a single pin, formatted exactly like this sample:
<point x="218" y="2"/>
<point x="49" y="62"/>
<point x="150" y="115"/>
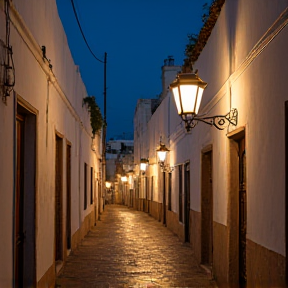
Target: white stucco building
<point x="227" y="195"/>
<point x="50" y="172"/>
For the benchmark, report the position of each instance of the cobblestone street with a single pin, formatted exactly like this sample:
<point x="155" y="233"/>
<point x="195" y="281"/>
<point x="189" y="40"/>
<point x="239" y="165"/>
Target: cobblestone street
<point x="129" y="248"/>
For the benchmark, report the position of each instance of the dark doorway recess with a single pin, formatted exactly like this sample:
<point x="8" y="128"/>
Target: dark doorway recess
<point x="207" y="210"/>
<point x="58" y="200"/>
<point x="242" y="213"/>
<point x="164" y="198"/>
<point x="25" y="199"/>
<point x="286" y="187"/>
<point x="187" y="201"/>
<point x="68" y="196"/>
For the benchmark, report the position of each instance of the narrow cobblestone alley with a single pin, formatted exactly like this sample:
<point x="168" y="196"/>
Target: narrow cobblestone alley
<point x="129" y="248"/>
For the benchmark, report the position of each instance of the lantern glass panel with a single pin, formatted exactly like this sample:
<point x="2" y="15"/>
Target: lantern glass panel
<point x="188" y="97"/>
<point x="199" y="98"/>
<point x="108" y="185"/>
<point x="177" y="100"/>
<point x="143" y="166"/>
<point x="162" y="155"/>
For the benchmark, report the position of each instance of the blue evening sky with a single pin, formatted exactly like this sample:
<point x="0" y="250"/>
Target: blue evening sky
<point x="137" y="36"/>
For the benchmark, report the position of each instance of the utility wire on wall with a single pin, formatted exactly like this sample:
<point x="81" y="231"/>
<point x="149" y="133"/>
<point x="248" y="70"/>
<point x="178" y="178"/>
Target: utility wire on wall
<point x="76" y="16"/>
<point x="9" y="69"/>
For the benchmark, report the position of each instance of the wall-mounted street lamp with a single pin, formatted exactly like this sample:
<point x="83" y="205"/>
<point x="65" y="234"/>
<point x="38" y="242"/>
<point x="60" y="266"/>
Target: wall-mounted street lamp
<point x="108" y="184"/>
<point x="143" y="165"/>
<point x="162" y="153"/>
<point x="188" y="89"/>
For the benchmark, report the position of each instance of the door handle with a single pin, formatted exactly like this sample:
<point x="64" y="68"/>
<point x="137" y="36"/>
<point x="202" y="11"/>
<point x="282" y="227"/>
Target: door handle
<point x="21" y="238"/>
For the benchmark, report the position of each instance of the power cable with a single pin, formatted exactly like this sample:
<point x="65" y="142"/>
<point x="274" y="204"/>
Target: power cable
<point x="76" y="16"/>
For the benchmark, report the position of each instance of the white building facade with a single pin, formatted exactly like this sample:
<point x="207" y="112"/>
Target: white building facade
<point x="50" y="180"/>
<point x="227" y="194"/>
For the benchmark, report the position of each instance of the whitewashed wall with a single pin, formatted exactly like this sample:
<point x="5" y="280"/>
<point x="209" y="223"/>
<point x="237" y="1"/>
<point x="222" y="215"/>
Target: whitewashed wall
<point x="258" y="91"/>
<point x="158" y="129"/>
<point x="36" y="23"/>
<point x="249" y="74"/>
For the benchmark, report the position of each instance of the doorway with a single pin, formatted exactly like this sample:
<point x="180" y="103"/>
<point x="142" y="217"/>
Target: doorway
<point x="242" y="213"/>
<point x="207" y="210"/>
<point x="187" y="201"/>
<point x="237" y="208"/>
<point x="25" y="199"/>
<point x="68" y="196"/>
<point x="58" y="201"/>
<point x="169" y="188"/>
<point x="164" y="199"/>
<point x="286" y="186"/>
<point x="180" y="185"/>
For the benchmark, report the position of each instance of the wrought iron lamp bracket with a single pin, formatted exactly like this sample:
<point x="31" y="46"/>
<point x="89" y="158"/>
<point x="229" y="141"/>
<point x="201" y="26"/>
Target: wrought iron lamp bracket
<point x="166" y="167"/>
<point x="219" y="121"/>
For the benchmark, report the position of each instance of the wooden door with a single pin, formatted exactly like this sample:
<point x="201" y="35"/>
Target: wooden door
<point x="58" y="200"/>
<point x="207" y="210"/>
<point x="169" y="192"/>
<point x="187" y="202"/>
<point x="242" y="213"/>
<point x="19" y="205"/>
<point x="286" y="188"/>
<point x="164" y="199"/>
<point x="25" y="199"/>
<point x="68" y="197"/>
<point x="180" y="185"/>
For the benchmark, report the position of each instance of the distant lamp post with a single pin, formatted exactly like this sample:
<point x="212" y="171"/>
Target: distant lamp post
<point x="143" y="165"/>
<point x="108" y="184"/>
<point x="188" y="89"/>
<point x="124" y="179"/>
<point x="130" y="180"/>
<point x="162" y="153"/>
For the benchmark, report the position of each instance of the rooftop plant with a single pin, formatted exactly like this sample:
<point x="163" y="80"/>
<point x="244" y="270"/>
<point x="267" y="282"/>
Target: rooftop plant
<point x="96" y="119"/>
<point x="196" y="42"/>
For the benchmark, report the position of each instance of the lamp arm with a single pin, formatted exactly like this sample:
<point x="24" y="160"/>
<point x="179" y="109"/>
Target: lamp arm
<point x="219" y="121"/>
<point x="165" y="167"/>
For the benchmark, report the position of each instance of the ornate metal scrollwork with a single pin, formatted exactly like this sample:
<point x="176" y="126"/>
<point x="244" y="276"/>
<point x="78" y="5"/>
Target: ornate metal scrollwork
<point x="166" y="167"/>
<point x="219" y="121"/>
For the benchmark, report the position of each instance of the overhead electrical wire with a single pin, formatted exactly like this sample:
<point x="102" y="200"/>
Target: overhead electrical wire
<point x="76" y="16"/>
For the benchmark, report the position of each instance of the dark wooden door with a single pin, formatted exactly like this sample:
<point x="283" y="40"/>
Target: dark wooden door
<point x="187" y="202"/>
<point x="68" y="196"/>
<point x="148" y="194"/>
<point x="164" y="199"/>
<point x="58" y="200"/>
<point x="25" y="199"/>
<point x="242" y="213"/>
<point x="286" y="187"/>
<point x="169" y="191"/>
<point x="207" y="210"/>
<point x="180" y="185"/>
<point x="19" y="205"/>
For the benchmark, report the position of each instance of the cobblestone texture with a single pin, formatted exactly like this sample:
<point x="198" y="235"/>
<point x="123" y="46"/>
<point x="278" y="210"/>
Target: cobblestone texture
<point x="129" y="248"/>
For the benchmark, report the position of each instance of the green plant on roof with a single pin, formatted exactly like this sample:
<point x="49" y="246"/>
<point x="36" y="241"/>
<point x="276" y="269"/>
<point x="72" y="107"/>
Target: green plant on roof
<point x="96" y="119"/>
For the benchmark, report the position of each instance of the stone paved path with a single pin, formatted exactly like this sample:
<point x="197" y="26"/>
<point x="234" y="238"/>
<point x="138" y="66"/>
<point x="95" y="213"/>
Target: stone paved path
<point x="129" y="248"/>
